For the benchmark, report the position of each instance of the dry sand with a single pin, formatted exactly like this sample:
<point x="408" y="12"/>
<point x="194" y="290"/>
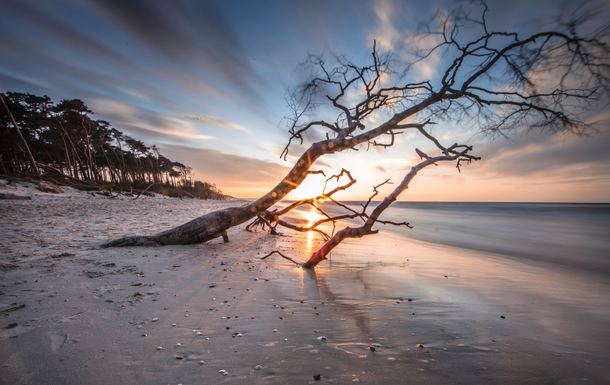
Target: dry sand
<point x="73" y="313"/>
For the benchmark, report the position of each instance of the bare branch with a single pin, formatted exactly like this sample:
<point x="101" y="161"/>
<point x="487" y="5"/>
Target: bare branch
<point x="282" y="255"/>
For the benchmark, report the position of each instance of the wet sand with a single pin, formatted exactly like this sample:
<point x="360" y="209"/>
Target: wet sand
<point x="433" y="314"/>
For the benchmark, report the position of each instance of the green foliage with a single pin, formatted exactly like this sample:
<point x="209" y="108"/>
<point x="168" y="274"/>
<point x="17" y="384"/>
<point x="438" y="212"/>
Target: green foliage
<point x="65" y="138"/>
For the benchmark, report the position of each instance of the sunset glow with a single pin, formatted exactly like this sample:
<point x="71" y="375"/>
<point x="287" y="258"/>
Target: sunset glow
<point x="205" y="82"/>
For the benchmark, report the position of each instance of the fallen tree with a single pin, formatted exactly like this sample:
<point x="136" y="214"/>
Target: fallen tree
<point x="498" y="81"/>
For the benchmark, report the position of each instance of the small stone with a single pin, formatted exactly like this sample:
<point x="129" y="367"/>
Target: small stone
<point x="173" y="324"/>
<point x="159" y="347"/>
<point x="420" y="345"/>
<point x="144" y="335"/>
<point x="258" y="367"/>
<point x="201" y="362"/>
<point x="179" y="357"/>
<point x="372" y="348"/>
<point x="222" y="371"/>
<point x="155" y="319"/>
<point x="502" y="317"/>
<point x="321" y="338"/>
<point x="198" y="334"/>
<point x="178" y="344"/>
<point x="275" y="330"/>
<point x="317" y="377"/>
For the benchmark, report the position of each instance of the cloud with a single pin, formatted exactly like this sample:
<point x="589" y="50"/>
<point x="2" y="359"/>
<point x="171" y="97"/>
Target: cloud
<point x="553" y="157"/>
<point x="150" y="124"/>
<point x="226" y="170"/>
<point x="214" y="121"/>
<point x="188" y="36"/>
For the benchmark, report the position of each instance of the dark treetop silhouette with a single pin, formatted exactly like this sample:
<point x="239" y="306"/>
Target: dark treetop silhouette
<point x="498" y="81"/>
<point x="64" y="141"/>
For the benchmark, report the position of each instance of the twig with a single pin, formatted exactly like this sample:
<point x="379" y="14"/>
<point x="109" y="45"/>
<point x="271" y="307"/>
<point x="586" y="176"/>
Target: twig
<point x="146" y="189"/>
<point x="282" y="255"/>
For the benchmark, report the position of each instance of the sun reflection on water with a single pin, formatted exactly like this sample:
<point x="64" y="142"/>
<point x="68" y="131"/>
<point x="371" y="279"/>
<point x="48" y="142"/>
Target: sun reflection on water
<point x="311" y="216"/>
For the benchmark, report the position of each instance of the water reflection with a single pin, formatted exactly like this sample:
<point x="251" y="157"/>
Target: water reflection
<point x="311" y="216"/>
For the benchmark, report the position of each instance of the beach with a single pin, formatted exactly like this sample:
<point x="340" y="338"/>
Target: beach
<point x="385" y="309"/>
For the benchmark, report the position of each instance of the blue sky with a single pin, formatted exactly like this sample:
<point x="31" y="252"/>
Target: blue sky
<point x="205" y="81"/>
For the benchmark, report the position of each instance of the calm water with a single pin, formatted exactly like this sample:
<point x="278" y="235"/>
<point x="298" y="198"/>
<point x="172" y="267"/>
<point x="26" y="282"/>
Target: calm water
<point x="569" y="234"/>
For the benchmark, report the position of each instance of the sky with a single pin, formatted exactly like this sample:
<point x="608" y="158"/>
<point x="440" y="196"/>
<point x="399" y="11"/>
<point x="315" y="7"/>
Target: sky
<point x="205" y="81"/>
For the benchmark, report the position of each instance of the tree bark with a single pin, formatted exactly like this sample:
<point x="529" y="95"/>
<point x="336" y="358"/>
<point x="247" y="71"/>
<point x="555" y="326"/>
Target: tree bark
<point x="367" y="228"/>
<point x="215" y="224"/>
<point x="25" y="144"/>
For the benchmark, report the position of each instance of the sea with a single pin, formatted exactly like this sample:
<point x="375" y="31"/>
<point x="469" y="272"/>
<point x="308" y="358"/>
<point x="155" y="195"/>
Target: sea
<point x="573" y="235"/>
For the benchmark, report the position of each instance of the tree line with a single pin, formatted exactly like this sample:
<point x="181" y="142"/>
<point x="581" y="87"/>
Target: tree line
<point x="64" y="141"/>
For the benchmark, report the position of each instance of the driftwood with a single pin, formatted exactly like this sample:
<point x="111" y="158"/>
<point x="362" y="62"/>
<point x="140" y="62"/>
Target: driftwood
<point x="59" y="173"/>
<point x="146" y="189"/>
<point x="14" y="197"/>
<point x="576" y="67"/>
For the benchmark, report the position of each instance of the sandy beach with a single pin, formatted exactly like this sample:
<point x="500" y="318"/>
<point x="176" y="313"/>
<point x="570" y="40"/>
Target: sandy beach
<point x="383" y="310"/>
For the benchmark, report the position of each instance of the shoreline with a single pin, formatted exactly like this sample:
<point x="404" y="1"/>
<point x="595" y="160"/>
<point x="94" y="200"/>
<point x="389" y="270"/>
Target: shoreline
<point x="87" y="309"/>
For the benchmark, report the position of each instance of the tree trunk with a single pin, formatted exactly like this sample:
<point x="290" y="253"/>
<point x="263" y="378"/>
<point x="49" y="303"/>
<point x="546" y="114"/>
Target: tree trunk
<point x="215" y="224"/>
<point x="25" y="144"/>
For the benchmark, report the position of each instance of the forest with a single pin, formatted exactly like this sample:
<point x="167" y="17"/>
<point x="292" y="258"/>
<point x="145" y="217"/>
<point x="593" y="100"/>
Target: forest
<point x="67" y="145"/>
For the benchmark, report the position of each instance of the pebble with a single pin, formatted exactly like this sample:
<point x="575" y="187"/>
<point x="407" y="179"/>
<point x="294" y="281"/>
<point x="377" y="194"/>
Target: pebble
<point x="223" y="371"/>
<point x="173" y="324"/>
<point x="317" y="377"/>
<point x="179" y="357"/>
<point x="321" y="338"/>
<point x="198" y="334"/>
<point x="144" y="335"/>
<point x="275" y="330"/>
<point x="258" y="367"/>
<point x="155" y="319"/>
<point x="159" y="347"/>
<point x="372" y="348"/>
<point x="178" y="344"/>
<point x="201" y="362"/>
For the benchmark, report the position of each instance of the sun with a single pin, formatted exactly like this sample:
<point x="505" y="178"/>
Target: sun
<point x="310" y="188"/>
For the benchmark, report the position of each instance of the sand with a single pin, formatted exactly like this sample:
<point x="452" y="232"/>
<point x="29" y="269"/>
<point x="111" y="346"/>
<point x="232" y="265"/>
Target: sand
<point x="383" y="310"/>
